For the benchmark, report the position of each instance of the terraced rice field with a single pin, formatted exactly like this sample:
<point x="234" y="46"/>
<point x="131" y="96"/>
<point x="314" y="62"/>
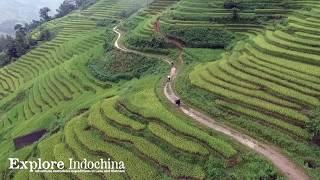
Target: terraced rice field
<point x="273" y="80"/>
<point x="51" y="82"/>
<point x="158" y="6"/>
<point x="204" y="13"/>
<point x="208" y="13"/>
<point x="269" y="83"/>
<point x="153" y="143"/>
<point x="112" y="9"/>
<point x="146" y="19"/>
<point x="51" y="88"/>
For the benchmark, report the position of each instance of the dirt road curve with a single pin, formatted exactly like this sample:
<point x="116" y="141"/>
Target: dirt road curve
<point x="281" y="161"/>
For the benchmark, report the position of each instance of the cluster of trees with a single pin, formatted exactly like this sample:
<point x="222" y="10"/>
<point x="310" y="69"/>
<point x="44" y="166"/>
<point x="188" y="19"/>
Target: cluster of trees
<point x="238" y="5"/>
<point x="156" y="41"/>
<point x="202" y="37"/>
<point x="83" y="4"/>
<point x="251" y="5"/>
<point x="11" y="48"/>
<point x="65" y="8"/>
<point x="69" y="5"/>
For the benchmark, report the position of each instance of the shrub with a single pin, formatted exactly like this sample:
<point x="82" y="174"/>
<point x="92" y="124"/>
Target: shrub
<point x="154" y="42"/>
<point x="314" y="127"/>
<point x="46" y="35"/>
<point x="203" y="37"/>
<point x="311" y="163"/>
<point x="106" y="22"/>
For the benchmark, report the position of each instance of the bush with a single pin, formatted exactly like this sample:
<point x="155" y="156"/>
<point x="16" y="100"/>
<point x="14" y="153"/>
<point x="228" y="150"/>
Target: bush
<point x="106" y="22"/>
<point x="203" y="37"/>
<point x="311" y="163"/>
<point x="314" y="127"/>
<point x="108" y="40"/>
<point x="215" y="168"/>
<point x="155" y="42"/>
<point x="46" y="35"/>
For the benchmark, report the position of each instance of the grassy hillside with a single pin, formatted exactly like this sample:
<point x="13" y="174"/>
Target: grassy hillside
<point x="52" y="88"/>
<point x="47" y="86"/>
<point x="267" y="85"/>
<point x="98" y="102"/>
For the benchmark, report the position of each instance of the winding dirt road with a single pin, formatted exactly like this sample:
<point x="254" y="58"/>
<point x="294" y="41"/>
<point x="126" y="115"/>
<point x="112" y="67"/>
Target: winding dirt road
<point x="280" y="160"/>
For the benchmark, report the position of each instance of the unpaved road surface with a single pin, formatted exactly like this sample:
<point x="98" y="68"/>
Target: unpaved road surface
<point x="273" y="154"/>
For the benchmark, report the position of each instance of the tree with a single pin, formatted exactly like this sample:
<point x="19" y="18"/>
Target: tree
<point x="82" y="4"/>
<point x="235" y="14"/>
<point x="32" y="25"/>
<point x="22" y="43"/>
<point x="229" y="4"/>
<point x="44" y="13"/>
<point x="3" y="43"/>
<point x="3" y="59"/>
<point x="18" y="46"/>
<point x="18" y="27"/>
<point x="11" y="49"/>
<point x="65" y="8"/>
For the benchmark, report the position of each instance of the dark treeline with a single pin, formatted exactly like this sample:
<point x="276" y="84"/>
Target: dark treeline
<point x="11" y="48"/>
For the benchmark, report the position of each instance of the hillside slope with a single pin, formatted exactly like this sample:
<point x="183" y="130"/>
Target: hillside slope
<point x="267" y="86"/>
<point x="52" y="89"/>
<point x="95" y="102"/>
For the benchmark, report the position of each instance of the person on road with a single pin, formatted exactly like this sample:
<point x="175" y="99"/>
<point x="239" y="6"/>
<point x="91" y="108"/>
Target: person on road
<point x="178" y="102"/>
<point x="169" y="78"/>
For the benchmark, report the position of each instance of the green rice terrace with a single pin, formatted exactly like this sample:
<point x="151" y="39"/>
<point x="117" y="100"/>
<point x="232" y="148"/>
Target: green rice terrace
<point x="247" y="73"/>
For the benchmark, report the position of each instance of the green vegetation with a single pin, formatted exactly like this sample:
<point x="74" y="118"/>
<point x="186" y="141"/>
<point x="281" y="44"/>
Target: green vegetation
<point x="141" y="33"/>
<point x="267" y="87"/>
<point x="161" y="113"/>
<point x="123" y="129"/>
<point x="51" y="84"/>
<point x="118" y="66"/>
<point x="13" y="48"/>
<point x="97" y="102"/>
<point x="110" y="111"/>
<point x="181" y="143"/>
<point x="197" y="37"/>
<point x="202" y="54"/>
